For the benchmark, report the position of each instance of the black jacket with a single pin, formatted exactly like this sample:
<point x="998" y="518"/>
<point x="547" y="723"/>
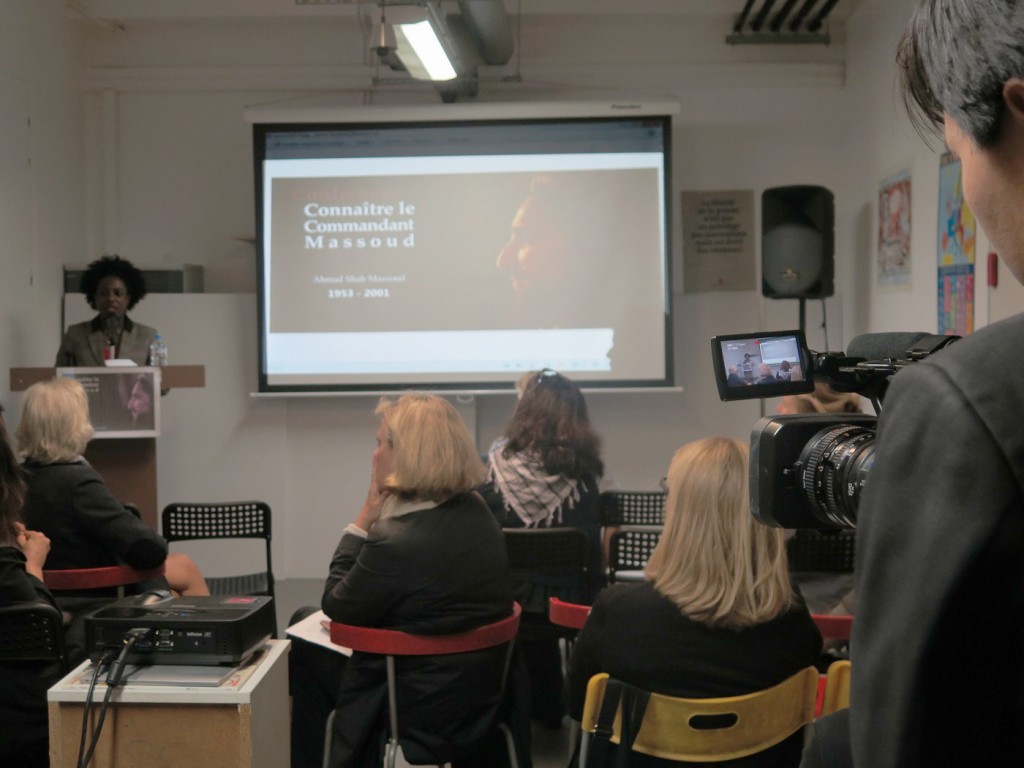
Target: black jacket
<point x="23" y="685"/>
<point x="938" y="675"/>
<point x="642" y="638"/>
<point x="433" y="571"/>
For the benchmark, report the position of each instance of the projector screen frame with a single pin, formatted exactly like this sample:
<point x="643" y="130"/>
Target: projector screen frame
<point x="267" y="120"/>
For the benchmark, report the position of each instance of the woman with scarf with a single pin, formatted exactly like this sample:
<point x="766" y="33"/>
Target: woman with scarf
<point x="544" y="474"/>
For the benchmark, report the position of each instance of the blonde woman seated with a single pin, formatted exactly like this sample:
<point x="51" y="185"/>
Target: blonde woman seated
<point x="68" y="501"/>
<point x="717" y="615"/>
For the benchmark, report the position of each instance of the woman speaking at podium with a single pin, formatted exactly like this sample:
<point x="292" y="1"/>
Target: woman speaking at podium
<point x="112" y="286"/>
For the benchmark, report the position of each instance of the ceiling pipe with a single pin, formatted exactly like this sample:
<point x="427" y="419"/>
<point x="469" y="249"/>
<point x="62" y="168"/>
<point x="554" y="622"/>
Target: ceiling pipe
<point x="780" y="17"/>
<point x="758" y="21"/>
<point x="794" y="25"/>
<point x="738" y="26"/>
<point x="488" y="22"/>
<point x="826" y="9"/>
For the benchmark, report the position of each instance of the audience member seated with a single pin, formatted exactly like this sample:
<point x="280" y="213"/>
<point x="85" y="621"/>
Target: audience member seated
<point x="68" y="502"/>
<point x="424" y="555"/>
<point x="766" y="376"/>
<point x="544" y="474"/>
<point x="824" y="592"/>
<point x="717" y="615"/>
<point x="23" y="719"/>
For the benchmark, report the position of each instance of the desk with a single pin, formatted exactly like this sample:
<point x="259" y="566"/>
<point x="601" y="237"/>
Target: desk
<point x="243" y="723"/>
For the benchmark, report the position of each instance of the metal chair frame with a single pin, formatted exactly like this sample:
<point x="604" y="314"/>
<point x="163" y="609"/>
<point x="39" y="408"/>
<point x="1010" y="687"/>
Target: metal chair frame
<point x="393" y="643"/>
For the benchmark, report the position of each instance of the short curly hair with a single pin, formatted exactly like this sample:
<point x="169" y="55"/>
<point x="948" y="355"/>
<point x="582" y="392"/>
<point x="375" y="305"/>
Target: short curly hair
<point x="114" y="266"/>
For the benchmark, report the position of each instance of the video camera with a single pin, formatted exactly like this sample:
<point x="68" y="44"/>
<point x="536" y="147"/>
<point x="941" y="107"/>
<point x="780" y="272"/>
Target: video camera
<point x="808" y="470"/>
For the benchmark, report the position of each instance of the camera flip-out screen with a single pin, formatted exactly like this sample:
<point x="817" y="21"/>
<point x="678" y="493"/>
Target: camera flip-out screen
<point x="761" y="365"/>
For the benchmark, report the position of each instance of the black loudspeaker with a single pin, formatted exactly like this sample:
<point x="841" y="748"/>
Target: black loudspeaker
<point x="797" y="242"/>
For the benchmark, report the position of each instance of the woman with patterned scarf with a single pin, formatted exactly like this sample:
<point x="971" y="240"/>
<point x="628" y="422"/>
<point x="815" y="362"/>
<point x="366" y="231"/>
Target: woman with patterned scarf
<point x="544" y="474"/>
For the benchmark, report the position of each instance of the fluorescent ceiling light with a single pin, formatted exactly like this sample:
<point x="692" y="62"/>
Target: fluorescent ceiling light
<point x="421" y="51"/>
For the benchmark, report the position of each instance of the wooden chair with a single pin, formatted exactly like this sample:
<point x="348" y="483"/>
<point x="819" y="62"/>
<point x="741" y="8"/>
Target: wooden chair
<point x="392" y="643"/>
<point x="837" y="688"/>
<point x="709" y="730"/>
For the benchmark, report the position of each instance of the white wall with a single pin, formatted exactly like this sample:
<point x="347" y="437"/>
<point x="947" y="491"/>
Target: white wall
<point x="168" y="179"/>
<point x="41" y="210"/>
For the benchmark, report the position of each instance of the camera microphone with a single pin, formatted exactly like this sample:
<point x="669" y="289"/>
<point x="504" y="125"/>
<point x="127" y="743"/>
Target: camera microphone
<point x="884" y="346"/>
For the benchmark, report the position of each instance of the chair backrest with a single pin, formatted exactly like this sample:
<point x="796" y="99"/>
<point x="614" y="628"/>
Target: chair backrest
<point x="837" y="687"/>
<point x="632" y="508"/>
<point x="571" y="615"/>
<point x="32" y="632"/>
<point x="227" y="520"/>
<point x="833" y="627"/>
<point x="66" y="579"/>
<point x="391" y="643"/>
<point x="712" y="730"/>
<point x="555" y="561"/>
<point x="628" y="553"/>
<point x="810" y="550"/>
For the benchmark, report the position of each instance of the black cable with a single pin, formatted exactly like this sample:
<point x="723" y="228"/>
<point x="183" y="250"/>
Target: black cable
<point x="106" y="659"/>
<point x="824" y="321"/>
<point x="114" y="676"/>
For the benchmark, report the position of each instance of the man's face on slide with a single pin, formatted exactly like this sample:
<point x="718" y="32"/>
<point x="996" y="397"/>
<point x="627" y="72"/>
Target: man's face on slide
<point x="536" y="252"/>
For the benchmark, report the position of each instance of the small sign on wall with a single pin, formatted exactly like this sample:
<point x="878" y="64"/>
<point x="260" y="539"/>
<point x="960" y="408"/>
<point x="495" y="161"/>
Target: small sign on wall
<point x="894" y="228"/>
<point x="718" y="245"/>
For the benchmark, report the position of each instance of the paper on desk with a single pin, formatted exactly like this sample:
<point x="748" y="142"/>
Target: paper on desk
<point x="312" y="630"/>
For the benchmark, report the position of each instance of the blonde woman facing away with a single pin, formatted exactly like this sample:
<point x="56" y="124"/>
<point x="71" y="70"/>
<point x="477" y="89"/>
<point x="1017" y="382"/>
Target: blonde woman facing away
<point x="68" y="501"/>
<point x="716" y="615"/>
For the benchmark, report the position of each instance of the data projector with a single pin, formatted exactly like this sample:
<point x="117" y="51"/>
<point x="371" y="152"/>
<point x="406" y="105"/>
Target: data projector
<point x="182" y="630"/>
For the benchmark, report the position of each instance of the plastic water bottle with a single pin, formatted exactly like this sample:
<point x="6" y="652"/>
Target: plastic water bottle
<point x="158" y="351"/>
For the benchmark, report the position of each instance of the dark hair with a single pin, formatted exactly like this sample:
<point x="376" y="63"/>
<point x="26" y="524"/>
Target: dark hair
<point x="12" y="486"/>
<point x="955" y="56"/>
<point x="551" y="420"/>
<point x="114" y="266"/>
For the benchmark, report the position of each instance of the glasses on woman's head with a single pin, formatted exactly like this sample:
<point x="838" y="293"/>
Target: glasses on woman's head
<point x="545" y="373"/>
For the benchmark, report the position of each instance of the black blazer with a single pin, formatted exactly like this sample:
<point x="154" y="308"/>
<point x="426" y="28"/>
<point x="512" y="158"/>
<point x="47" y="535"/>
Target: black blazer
<point x="433" y="571"/>
<point x="936" y="647"/>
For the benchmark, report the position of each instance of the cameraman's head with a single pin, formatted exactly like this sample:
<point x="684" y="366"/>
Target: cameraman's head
<point x="823" y="399"/>
<point x="963" y="68"/>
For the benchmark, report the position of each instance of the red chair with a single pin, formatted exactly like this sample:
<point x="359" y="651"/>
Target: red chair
<point x="391" y="643"/>
<point x="833" y="627"/>
<point x="571" y="615"/>
<point x="98" y="578"/>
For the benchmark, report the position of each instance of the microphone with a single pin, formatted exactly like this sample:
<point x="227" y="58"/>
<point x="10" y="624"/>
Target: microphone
<point x="110" y="321"/>
<point x="884" y="346"/>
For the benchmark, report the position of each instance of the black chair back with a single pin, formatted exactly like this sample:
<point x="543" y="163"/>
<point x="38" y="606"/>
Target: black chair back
<point x="632" y="508"/>
<point x="32" y="632"/>
<point x="227" y="520"/>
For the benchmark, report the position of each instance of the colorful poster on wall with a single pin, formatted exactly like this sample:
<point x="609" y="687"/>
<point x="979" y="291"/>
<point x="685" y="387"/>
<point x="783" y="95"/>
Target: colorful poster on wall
<point x="894" y="231"/>
<point x="956" y="243"/>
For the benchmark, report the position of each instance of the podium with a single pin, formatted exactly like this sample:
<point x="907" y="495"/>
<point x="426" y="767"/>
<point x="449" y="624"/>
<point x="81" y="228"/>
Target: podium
<point x="126" y="464"/>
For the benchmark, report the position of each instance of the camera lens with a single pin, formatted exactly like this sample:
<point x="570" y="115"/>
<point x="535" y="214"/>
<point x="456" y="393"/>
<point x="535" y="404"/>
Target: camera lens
<point x="835" y="465"/>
